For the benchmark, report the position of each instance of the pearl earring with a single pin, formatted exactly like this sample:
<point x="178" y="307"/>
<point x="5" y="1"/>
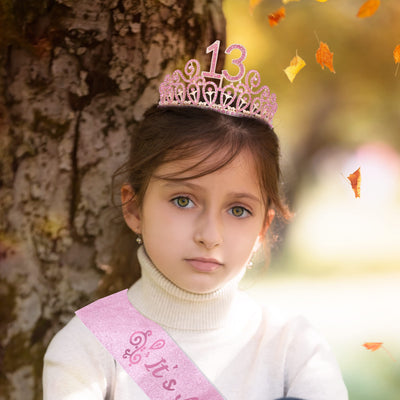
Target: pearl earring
<point x="139" y="239"/>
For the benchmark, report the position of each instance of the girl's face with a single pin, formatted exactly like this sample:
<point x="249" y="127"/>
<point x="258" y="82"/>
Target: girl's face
<point x="200" y="233"/>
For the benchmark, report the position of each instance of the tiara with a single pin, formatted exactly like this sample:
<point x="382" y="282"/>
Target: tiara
<point x="206" y="89"/>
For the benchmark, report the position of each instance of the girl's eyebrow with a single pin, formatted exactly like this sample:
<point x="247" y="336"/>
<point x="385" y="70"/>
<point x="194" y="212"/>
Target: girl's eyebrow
<point x="179" y="183"/>
<point x="248" y="196"/>
<point x="236" y="195"/>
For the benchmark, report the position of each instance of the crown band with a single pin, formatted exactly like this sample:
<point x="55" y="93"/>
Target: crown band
<point x="205" y="89"/>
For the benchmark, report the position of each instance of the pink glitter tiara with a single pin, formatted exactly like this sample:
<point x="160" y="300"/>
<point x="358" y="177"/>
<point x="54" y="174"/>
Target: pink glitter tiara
<point x="205" y="88"/>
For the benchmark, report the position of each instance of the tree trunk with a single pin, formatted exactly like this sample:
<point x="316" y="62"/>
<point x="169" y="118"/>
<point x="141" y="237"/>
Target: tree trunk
<point x="74" y="83"/>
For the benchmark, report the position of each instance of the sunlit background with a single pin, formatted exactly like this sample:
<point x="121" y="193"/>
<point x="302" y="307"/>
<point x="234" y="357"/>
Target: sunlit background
<point x="338" y="261"/>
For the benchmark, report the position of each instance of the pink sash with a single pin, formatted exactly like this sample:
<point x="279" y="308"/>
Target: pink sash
<point x="146" y="352"/>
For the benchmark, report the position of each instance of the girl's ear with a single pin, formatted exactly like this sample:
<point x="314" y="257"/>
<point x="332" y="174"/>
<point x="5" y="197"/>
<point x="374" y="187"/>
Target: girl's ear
<point x="130" y="208"/>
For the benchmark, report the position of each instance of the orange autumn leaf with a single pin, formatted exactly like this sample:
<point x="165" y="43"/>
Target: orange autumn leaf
<point x="396" y="54"/>
<point x="368" y="8"/>
<point x="355" y="181"/>
<point x="253" y="4"/>
<point x="324" y="56"/>
<point x="275" y="17"/>
<point x="373" y="346"/>
<point x="296" y="64"/>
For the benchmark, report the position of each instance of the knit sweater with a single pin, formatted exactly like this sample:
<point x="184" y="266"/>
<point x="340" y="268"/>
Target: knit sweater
<point x="246" y="351"/>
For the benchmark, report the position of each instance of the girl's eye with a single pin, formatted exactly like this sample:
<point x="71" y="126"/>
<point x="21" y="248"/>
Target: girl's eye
<point x="239" y="212"/>
<point x="183" y="202"/>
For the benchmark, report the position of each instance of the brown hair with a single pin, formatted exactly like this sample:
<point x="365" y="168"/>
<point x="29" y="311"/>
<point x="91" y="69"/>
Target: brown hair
<point x="171" y="133"/>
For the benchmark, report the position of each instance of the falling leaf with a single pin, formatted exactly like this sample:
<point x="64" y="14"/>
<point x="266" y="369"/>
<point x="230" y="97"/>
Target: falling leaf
<point x="373" y="346"/>
<point x="253" y="4"/>
<point x="324" y="56"/>
<point x="288" y="1"/>
<point x="355" y="181"/>
<point x="396" y="56"/>
<point x="275" y="17"/>
<point x="296" y="64"/>
<point x="368" y="8"/>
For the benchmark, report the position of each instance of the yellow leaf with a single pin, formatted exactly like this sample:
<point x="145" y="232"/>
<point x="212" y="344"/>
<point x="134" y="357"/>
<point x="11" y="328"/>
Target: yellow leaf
<point x="253" y="4"/>
<point x="368" y="8"/>
<point x="289" y="1"/>
<point x="322" y="1"/>
<point x="296" y="64"/>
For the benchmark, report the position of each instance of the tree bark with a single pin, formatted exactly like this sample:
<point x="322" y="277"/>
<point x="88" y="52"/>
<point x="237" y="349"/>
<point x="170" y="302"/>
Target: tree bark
<point x="74" y="83"/>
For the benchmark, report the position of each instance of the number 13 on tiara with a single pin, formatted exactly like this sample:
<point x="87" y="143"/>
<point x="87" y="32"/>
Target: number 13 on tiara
<point x="214" y="49"/>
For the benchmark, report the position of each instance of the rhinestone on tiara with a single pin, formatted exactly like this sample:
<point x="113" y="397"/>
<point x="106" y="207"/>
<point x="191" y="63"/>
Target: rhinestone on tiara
<point x="206" y="89"/>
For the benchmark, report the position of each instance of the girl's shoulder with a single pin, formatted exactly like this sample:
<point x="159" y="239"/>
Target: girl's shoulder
<point x="294" y="328"/>
<point x="76" y="337"/>
<point x="275" y="324"/>
<point x="73" y="361"/>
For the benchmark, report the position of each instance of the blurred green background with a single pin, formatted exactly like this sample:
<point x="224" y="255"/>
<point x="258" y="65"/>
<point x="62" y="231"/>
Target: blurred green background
<point x="338" y="261"/>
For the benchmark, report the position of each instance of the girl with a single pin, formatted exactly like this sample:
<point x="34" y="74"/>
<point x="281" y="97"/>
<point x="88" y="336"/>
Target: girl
<point x="201" y="195"/>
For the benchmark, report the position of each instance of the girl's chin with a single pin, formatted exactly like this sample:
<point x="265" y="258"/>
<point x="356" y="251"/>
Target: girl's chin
<point x="202" y="285"/>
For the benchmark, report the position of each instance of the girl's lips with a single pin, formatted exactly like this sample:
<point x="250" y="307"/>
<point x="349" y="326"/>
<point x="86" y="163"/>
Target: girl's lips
<point x="204" y="264"/>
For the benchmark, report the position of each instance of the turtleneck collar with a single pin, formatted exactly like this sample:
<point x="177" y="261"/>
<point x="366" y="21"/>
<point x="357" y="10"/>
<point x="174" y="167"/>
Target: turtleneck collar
<point x="162" y="301"/>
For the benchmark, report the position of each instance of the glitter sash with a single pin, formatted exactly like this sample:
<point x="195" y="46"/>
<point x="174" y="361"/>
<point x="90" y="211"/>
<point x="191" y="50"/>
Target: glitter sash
<point x="146" y="352"/>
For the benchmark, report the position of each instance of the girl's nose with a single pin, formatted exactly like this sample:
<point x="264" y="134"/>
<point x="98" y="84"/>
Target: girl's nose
<point x="208" y="232"/>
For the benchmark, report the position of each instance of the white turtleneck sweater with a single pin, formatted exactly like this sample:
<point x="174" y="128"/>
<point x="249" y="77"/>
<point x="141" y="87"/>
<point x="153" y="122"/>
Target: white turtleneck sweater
<point x="247" y="352"/>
